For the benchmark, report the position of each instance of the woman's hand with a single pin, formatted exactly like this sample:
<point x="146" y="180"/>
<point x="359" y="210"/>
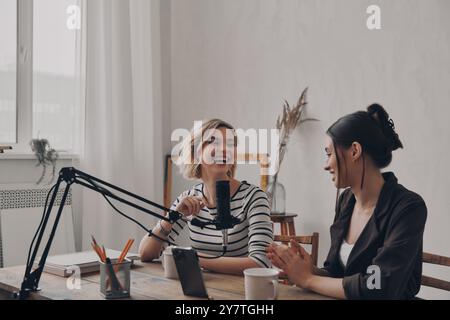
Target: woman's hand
<point x="276" y="249"/>
<point x="189" y="206"/>
<point x="295" y="262"/>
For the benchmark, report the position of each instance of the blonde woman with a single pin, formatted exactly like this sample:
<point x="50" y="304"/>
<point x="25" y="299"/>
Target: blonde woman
<point x="209" y="154"/>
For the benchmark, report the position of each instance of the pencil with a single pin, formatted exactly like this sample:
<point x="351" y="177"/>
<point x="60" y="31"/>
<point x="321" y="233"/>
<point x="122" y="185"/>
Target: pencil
<point x="97" y="251"/>
<point x="98" y="248"/>
<point x="93" y="240"/>
<point x="125" y="250"/>
<point x="104" y="252"/>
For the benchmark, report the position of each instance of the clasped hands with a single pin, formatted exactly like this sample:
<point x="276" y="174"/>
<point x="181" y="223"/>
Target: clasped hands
<point x="294" y="262"/>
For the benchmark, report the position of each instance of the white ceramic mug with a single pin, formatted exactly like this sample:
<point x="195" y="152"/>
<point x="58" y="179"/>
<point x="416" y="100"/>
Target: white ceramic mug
<point x="261" y="284"/>
<point x="170" y="269"/>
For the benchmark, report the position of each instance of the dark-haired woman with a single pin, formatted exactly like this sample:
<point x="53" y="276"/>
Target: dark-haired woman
<point x="376" y="237"/>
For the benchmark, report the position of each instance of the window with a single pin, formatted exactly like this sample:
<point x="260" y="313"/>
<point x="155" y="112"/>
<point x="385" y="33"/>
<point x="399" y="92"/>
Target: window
<point x="56" y="75"/>
<point x="48" y="44"/>
<point x="8" y="53"/>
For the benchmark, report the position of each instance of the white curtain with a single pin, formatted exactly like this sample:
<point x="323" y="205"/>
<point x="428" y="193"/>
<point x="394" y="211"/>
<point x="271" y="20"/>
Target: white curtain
<point x="122" y="121"/>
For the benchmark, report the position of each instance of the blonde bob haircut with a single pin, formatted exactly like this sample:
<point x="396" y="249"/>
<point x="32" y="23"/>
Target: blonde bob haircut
<point x="192" y="145"/>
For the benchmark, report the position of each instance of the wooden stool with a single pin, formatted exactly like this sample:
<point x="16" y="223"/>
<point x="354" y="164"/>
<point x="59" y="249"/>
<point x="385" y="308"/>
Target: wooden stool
<point x="286" y="222"/>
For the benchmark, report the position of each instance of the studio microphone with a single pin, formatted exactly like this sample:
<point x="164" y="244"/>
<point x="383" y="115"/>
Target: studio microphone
<point x="224" y="219"/>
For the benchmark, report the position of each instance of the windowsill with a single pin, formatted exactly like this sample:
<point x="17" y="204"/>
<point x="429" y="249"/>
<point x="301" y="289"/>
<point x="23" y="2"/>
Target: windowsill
<point x="30" y="156"/>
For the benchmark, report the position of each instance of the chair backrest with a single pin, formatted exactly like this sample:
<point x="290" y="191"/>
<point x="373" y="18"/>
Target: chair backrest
<point x="434" y="282"/>
<point x="262" y="160"/>
<point x="312" y="240"/>
<point x="168" y="181"/>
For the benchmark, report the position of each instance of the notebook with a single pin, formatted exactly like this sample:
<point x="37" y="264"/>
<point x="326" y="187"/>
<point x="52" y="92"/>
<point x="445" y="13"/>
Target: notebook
<point x="87" y="261"/>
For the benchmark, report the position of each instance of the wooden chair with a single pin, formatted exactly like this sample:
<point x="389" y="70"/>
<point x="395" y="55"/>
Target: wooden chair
<point x="312" y="240"/>
<point x="168" y="181"/>
<point x="433" y="282"/>
<point x="262" y="160"/>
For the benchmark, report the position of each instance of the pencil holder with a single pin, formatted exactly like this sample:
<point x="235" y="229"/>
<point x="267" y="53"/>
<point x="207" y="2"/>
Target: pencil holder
<point x="115" y="279"/>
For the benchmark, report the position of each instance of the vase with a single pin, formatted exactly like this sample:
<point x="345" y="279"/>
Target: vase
<point x="277" y="197"/>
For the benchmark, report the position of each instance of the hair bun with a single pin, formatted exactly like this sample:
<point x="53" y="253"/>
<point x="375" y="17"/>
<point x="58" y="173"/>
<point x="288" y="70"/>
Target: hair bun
<point x="379" y="114"/>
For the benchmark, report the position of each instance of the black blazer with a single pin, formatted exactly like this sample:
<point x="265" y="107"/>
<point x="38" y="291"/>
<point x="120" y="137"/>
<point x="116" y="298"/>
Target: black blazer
<point x="391" y="240"/>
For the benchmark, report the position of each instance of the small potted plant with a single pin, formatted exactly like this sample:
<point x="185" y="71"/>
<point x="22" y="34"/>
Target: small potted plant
<point x="45" y="155"/>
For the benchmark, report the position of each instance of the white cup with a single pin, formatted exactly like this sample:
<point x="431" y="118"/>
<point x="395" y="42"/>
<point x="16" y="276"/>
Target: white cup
<point x="168" y="263"/>
<point x="261" y="284"/>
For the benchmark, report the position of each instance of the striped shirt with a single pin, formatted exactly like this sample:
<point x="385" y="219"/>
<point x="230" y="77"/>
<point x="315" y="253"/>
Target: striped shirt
<point x="249" y="238"/>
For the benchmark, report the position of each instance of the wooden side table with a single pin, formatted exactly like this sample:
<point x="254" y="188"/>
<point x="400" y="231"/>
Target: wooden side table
<point x="286" y="222"/>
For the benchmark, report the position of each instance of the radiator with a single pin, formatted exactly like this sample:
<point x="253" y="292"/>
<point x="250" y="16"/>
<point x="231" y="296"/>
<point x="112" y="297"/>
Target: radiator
<point x="21" y="208"/>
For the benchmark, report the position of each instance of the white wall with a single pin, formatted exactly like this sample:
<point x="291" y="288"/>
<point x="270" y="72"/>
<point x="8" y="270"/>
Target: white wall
<point x="238" y="60"/>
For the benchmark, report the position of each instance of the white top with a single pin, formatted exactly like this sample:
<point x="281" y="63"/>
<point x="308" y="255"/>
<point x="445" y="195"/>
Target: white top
<point x="344" y="253"/>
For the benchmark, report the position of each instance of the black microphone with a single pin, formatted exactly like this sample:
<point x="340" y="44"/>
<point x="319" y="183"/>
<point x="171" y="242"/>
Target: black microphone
<point x="224" y="219"/>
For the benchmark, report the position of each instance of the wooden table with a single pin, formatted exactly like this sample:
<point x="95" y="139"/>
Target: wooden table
<point x="147" y="283"/>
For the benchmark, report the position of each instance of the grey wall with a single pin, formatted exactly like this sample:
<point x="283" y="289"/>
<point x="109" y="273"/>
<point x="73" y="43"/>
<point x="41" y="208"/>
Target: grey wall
<point x="238" y="60"/>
